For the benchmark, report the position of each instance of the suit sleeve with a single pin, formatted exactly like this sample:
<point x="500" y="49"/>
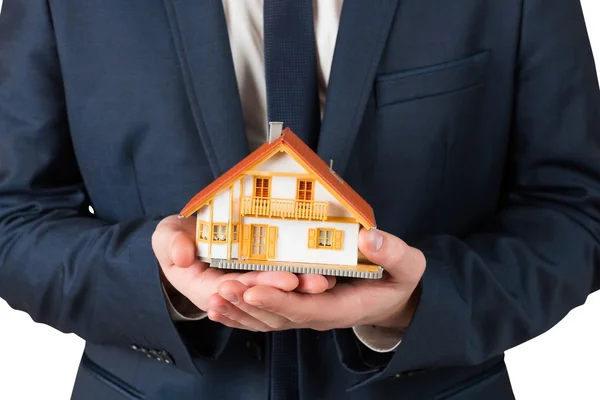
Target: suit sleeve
<point x="58" y="263"/>
<point x="526" y="268"/>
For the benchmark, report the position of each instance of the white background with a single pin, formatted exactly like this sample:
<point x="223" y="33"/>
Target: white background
<point x="37" y="362"/>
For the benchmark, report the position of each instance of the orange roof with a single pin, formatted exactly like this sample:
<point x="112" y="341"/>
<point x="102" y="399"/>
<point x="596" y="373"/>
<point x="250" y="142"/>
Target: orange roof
<point x="295" y="147"/>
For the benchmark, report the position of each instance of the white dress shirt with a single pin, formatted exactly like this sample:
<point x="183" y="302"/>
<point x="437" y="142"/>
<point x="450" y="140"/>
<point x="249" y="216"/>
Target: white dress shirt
<point x="245" y="27"/>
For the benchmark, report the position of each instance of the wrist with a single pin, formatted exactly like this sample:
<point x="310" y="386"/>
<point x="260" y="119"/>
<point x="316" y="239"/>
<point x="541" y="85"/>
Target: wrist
<point x="399" y="320"/>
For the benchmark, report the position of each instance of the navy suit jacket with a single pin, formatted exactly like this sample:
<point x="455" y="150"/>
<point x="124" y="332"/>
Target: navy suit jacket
<point x="471" y="126"/>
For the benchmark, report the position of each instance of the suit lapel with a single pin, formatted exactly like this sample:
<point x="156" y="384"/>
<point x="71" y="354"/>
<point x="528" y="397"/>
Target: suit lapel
<point x="364" y="27"/>
<point x="200" y="36"/>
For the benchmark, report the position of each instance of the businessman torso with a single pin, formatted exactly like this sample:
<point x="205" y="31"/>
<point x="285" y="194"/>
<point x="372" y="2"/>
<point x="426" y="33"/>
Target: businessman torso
<point x="418" y="119"/>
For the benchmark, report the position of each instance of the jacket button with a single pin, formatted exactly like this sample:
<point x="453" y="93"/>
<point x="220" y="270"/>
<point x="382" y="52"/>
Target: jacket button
<point x="165" y="357"/>
<point x="158" y="355"/>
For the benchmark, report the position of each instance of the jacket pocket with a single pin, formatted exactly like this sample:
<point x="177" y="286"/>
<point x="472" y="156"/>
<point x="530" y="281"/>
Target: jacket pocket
<point x="110" y="380"/>
<point x="430" y="81"/>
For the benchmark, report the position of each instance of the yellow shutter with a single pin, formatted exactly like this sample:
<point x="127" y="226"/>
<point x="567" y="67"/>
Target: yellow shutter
<point x="338" y="240"/>
<point x="272" y="243"/>
<point x="245" y="250"/>
<point x="312" y="238"/>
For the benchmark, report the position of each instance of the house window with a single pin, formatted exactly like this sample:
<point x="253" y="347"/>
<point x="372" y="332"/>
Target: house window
<point x="203" y="230"/>
<point x="219" y="233"/>
<point x="325" y="238"/>
<point x="305" y="190"/>
<point x="234" y="234"/>
<point x="261" y="186"/>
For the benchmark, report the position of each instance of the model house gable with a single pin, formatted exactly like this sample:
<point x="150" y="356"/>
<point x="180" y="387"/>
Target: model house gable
<point x="283" y="180"/>
<point x="287" y="157"/>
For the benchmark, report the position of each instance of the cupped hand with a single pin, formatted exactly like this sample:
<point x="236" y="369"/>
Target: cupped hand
<point x="388" y="302"/>
<point x="174" y="248"/>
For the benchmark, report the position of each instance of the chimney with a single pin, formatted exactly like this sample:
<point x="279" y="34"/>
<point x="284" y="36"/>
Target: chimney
<point x="331" y="165"/>
<point x="275" y="129"/>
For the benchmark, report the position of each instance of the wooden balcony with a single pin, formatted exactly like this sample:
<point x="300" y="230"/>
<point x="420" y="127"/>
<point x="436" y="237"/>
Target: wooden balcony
<point x="284" y="208"/>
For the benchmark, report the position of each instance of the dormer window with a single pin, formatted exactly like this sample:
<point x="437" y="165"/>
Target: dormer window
<point x="305" y="190"/>
<point x="262" y="186"/>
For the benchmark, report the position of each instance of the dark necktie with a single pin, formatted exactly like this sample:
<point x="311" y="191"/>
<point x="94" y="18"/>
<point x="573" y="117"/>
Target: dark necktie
<point x="292" y="98"/>
<point x="291" y="67"/>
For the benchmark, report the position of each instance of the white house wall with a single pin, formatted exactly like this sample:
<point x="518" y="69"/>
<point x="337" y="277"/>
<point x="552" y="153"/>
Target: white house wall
<point x="234" y="250"/>
<point x="336" y="209"/>
<point x="280" y="162"/>
<point x="292" y="241"/>
<point x="221" y="207"/>
<point x="218" y="251"/>
<point x="248" y="184"/>
<point x="283" y="187"/>
<point x="203" y="249"/>
<point x="204" y="213"/>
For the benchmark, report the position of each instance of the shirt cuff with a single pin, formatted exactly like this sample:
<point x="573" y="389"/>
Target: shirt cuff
<point x="180" y="308"/>
<point x="380" y="340"/>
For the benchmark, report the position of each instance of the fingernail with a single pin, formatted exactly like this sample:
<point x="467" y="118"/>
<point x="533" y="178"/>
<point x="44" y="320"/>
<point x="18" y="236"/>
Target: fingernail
<point x="231" y="297"/>
<point x="221" y="310"/>
<point x="374" y="240"/>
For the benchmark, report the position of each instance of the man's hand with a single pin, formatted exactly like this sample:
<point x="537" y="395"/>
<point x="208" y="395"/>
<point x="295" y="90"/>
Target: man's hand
<point x="388" y="302"/>
<point x="174" y="248"/>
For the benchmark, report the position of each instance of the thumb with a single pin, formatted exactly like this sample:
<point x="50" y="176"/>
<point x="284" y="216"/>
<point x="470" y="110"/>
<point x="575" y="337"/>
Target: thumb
<point x="390" y="252"/>
<point x="173" y="243"/>
<point x="183" y="250"/>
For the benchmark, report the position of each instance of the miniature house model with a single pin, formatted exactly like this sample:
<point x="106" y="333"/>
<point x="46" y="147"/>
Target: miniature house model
<point x="282" y="208"/>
